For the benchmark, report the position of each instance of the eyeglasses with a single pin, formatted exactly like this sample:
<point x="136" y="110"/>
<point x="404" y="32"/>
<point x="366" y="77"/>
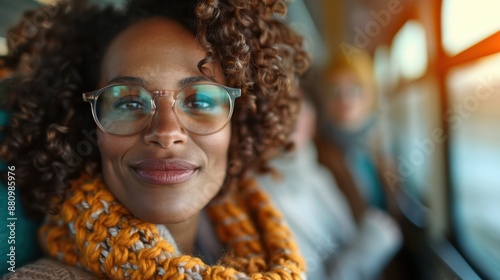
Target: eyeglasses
<point x="351" y="91"/>
<point x="126" y="109"/>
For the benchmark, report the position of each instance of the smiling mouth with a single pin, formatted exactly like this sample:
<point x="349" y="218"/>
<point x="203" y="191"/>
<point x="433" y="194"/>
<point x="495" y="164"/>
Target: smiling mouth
<point x="165" y="177"/>
<point x="165" y="171"/>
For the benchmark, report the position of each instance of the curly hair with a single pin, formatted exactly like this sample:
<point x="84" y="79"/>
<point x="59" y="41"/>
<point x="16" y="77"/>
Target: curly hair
<point x="51" y="138"/>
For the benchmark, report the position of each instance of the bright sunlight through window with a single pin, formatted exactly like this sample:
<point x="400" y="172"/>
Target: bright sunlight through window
<point x="409" y="52"/>
<point x="466" y="22"/>
<point x="3" y="46"/>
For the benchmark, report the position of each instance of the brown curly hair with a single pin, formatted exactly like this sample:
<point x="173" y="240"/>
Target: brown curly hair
<point x="51" y="138"/>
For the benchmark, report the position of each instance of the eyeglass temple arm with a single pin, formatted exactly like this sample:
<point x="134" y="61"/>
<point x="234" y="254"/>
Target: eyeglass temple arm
<point x="234" y="92"/>
<point x="89" y="96"/>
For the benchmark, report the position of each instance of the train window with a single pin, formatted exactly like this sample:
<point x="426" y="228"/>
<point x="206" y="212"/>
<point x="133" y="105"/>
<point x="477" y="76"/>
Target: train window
<point x="413" y="114"/>
<point x="408" y="51"/>
<point x="3" y="45"/>
<point x="465" y="23"/>
<point x="473" y="118"/>
<point x="442" y="105"/>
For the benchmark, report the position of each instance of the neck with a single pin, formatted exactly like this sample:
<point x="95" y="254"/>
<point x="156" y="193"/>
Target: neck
<point x="349" y="137"/>
<point x="184" y="234"/>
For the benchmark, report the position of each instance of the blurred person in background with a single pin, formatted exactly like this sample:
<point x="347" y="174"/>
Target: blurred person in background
<point x="334" y="244"/>
<point x="351" y="142"/>
<point x="349" y="137"/>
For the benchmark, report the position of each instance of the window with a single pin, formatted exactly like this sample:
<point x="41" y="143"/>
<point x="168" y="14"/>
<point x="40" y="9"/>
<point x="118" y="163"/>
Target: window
<point x="3" y="46"/>
<point x="412" y="111"/>
<point x="417" y="138"/>
<point x="409" y="53"/>
<point x="474" y="119"/>
<point x="467" y="22"/>
<point x="448" y="87"/>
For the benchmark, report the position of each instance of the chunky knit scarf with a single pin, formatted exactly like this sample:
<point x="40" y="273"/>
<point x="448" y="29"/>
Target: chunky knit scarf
<point x="94" y="231"/>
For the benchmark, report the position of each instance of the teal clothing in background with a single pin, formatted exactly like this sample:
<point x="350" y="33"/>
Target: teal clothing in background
<point x="360" y="158"/>
<point x="25" y="232"/>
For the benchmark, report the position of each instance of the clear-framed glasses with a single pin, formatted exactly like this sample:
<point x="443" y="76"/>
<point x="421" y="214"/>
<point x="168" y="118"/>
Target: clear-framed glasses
<point x="347" y="92"/>
<point x="126" y="109"/>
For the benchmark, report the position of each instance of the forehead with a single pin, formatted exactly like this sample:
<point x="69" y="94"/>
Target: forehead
<point x="159" y="29"/>
<point x="155" y="45"/>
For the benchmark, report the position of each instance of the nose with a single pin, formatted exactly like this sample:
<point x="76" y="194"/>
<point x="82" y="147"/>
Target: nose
<point x="164" y="129"/>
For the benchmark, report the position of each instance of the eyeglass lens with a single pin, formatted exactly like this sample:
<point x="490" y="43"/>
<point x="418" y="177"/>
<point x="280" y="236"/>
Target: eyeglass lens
<point x="350" y="91"/>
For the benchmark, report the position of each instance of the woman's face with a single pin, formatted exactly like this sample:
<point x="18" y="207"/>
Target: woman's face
<point x="349" y="100"/>
<point x="163" y="174"/>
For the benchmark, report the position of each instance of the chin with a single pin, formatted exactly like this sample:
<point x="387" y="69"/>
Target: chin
<point x="162" y="215"/>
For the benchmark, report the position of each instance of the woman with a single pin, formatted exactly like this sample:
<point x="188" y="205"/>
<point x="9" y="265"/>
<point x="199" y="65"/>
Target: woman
<point x="350" y="136"/>
<point x="185" y="97"/>
<point x="350" y="140"/>
<point x="332" y="243"/>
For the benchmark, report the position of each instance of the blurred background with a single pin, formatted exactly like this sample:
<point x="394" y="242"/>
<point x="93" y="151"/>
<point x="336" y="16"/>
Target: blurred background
<point x="437" y="70"/>
<point x="437" y="65"/>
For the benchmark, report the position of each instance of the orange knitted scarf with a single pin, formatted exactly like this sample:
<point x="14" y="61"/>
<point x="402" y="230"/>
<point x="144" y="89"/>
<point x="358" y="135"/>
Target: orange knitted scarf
<point x="94" y="231"/>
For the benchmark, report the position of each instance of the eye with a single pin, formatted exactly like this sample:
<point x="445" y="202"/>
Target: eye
<point x="198" y="102"/>
<point x="129" y="103"/>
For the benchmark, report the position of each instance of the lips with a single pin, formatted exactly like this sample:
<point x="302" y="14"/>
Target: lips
<point x="165" y="171"/>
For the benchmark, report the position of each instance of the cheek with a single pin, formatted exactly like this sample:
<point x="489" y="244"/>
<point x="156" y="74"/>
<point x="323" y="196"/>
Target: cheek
<point x="335" y="109"/>
<point x="216" y="148"/>
<point x="109" y="147"/>
<point x="112" y="150"/>
<point x="369" y="101"/>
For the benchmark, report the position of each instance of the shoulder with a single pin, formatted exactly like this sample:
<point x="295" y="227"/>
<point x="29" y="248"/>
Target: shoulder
<point x="48" y="269"/>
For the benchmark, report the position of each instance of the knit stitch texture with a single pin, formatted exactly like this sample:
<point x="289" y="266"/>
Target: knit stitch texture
<point x="94" y="231"/>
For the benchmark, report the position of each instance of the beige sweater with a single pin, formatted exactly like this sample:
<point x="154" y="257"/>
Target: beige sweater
<point x="49" y="269"/>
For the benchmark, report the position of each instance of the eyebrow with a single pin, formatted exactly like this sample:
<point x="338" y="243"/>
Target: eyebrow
<point x="189" y="80"/>
<point x="128" y="80"/>
<point x="139" y="81"/>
